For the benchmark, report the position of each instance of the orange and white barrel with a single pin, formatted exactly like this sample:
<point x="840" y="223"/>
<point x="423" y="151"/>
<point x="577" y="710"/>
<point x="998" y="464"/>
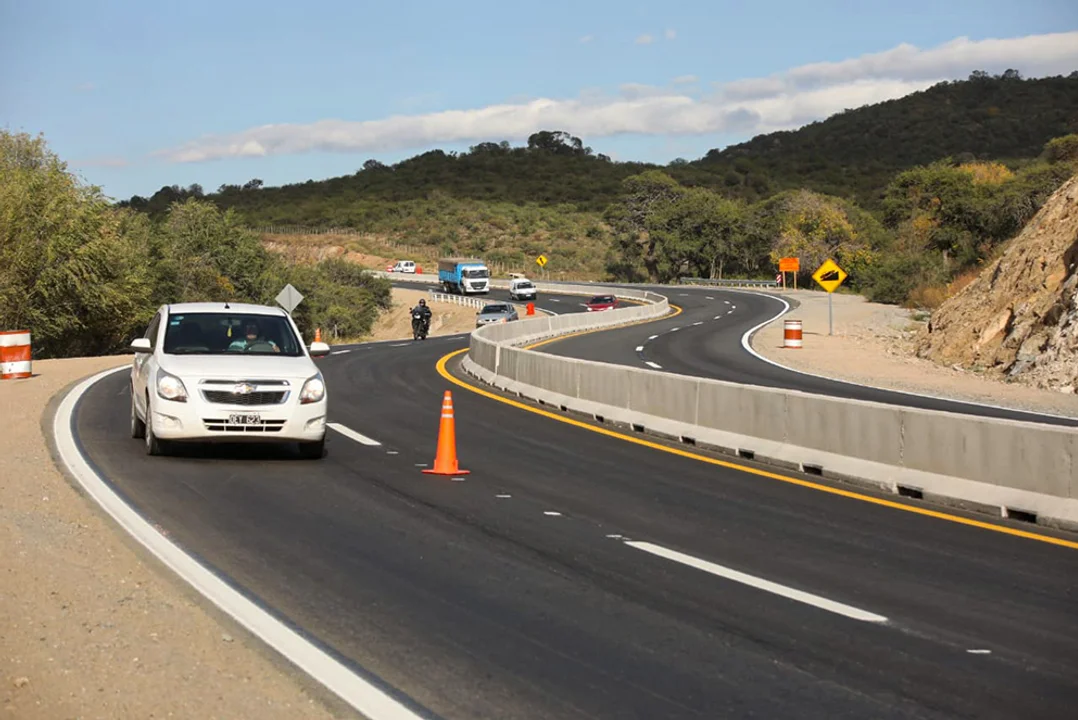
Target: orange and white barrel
<point x="791" y="334"/>
<point x="14" y="354"/>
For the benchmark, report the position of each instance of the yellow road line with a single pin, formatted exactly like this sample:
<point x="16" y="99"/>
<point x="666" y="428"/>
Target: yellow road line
<point x="578" y="333"/>
<point x="441" y="367"/>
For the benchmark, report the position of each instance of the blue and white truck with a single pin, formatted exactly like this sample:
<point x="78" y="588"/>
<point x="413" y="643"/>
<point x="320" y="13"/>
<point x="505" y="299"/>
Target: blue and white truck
<point x="464" y="276"/>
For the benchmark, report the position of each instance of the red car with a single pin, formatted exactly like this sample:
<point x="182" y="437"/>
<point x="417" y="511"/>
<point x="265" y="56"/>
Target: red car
<point x="602" y="302"/>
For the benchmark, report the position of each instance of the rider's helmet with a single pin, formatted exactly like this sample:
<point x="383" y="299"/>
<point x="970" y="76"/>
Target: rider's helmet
<point x="422" y="301"/>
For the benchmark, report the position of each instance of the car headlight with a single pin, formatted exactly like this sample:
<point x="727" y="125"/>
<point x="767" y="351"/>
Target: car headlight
<point x="170" y="387"/>
<point x="313" y="390"/>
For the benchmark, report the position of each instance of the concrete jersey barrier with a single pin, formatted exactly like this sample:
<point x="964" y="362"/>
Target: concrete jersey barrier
<point x="1005" y="467"/>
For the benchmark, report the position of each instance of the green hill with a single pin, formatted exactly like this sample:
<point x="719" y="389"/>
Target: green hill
<point x="852" y="155"/>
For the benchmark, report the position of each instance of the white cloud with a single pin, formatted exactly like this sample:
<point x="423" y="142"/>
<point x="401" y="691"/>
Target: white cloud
<point x="587" y="39"/>
<point x="684" y="80"/>
<point x="645" y="39"/>
<point x="670" y="34"/>
<point x="750" y="106"/>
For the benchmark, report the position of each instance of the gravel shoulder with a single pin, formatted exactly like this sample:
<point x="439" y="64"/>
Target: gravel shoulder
<point x="90" y="626"/>
<point x="873" y="344"/>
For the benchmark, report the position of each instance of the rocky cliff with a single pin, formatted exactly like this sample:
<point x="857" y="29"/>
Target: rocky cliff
<point x="1019" y="318"/>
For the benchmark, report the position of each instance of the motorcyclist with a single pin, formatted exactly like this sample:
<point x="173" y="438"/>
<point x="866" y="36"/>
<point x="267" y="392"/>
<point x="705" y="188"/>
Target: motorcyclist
<point x="424" y="313"/>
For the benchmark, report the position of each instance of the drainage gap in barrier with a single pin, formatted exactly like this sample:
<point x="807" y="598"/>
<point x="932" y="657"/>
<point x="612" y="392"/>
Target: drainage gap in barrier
<point x="810" y="469"/>
<point x="563" y="408"/>
<point x="747" y="454"/>
<point x="688" y="440"/>
<point x="637" y="428"/>
<point x="1023" y="515"/>
<point x="910" y="492"/>
<point x="599" y="418"/>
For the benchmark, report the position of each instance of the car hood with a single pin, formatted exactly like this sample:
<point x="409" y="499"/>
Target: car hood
<point x="239" y="367"/>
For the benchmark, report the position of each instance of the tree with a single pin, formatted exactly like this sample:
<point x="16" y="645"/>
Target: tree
<point x="639" y="218"/>
<point x="68" y="272"/>
<point x="253" y="184"/>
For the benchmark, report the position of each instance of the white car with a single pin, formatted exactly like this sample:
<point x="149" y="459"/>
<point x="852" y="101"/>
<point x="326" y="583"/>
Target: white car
<point x="404" y="266"/>
<point x="521" y="289"/>
<point x="227" y="372"/>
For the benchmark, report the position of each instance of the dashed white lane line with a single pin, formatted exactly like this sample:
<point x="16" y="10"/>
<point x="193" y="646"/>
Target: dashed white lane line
<point x="674" y="329"/>
<point x="554" y="300"/>
<point x="503" y="497"/>
<point x="733" y="307"/>
<point x="401" y="345"/>
<point x="640" y="348"/>
<point x="684" y="295"/>
<point x="552" y="513"/>
<point x="653" y="337"/>
<point x="657" y="366"/>
<point x="727" y="302"/>
<point x="340" y="352"/>
<point x="759" y="583"/>
<point x="698" y="323"/>
<point x="979" y="651"/>
<point x="718" y="316"/>
<point x="710" y="298"/>
<point x="352" y="434"/>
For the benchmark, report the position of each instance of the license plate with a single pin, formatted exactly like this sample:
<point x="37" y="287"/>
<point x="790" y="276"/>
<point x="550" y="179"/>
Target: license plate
<point x="244" y="419"/>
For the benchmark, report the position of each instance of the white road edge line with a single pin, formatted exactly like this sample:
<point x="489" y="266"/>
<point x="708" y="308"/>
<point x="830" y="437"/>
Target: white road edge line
<point x="747" y="346"/>
<point x="759" y="583"/>
<point x="352" y="434"/>
<point x="657" y="366"/>
<point x="360" y="694"/>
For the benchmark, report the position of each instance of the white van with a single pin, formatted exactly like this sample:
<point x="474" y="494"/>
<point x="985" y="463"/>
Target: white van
<point x="404" y="266"/>
<point x="522" y="289"/>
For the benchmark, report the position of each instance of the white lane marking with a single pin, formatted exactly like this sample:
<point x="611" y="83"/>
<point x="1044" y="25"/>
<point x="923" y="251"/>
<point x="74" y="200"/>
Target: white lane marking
<point x="458" y="479"/>
<point x="503" y="496"/>
<point x="340" y="352"/>
<point x="554" y="300"/>
<point x="733" y="307"/>
<point x="710" y="298"/>
<point x="640" y="348"/>
<point x="552" y="513"/>
<point x="350" y="433"/>
<point x="364" y="697"/>
<point x="653" y="337"/>
<point x="726" y="301"/>
<point x="657" y="366"/>
<point x="615" y="537"/>
<point x="698" y="323"/>
<point x="674" y="329"/>
<point x="718" y="317"/>
<point x="392" y="452"/>
<point x="747" y="346"/>
<point x="684" y="295"/>
<point x="979" y="651"/>
<point x="759" y="583"/>
<point x="421" y="464"/>
<point x="401" y="345"/>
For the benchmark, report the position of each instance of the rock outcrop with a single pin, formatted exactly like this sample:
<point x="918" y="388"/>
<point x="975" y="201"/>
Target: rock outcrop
<point x="1019" y="318"/>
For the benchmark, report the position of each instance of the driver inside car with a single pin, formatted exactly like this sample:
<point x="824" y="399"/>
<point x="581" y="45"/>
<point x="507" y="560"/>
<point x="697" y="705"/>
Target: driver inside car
<point x="252" y="337"/>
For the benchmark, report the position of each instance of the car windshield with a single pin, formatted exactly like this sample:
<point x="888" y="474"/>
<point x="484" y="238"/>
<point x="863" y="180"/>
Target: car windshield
<point x="230" y="334"/>
<point x="524" y="286"/>
<point x="475" y="273"/>
<point x="601" y="300"/>
<point x="492" y="309"/>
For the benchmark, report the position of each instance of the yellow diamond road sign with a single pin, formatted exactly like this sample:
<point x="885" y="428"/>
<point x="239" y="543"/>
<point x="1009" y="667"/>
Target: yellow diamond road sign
<point x="829" y="275"/>
<point x="541" y="260"/>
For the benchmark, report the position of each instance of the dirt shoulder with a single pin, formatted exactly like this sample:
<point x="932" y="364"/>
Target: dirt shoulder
<point x="89" y="626"/>
<point x="873" y="344"/>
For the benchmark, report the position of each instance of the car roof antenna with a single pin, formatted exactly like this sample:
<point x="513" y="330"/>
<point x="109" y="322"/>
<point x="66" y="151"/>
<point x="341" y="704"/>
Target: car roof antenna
<point x="226" y="305"/>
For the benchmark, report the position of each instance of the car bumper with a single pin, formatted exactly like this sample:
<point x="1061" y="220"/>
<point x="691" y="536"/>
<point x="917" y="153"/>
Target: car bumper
<point x="200" y="421"/>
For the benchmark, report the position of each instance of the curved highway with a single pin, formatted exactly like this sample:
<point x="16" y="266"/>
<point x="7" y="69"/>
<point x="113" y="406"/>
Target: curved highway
<point x="705" y="340"/>
<point x="576" y="573"/>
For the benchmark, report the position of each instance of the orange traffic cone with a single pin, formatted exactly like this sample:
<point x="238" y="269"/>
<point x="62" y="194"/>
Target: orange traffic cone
<point x="318" y="334"/>
<point x="445" y="462"/>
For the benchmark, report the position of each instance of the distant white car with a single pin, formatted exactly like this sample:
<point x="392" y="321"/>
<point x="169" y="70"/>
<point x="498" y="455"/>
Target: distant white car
<point x="226" y="372"/>
<point x="404" y="266"/>
<point x="521" y="289"/>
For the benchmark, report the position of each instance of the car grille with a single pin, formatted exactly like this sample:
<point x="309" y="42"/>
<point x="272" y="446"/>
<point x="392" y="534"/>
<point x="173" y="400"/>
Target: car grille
<point x="222" y="425"/>
<point x="225" y="397"/>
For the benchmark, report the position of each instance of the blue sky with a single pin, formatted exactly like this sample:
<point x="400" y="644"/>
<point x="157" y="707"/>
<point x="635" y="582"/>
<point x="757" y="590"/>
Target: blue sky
<point x="139" y="95"/>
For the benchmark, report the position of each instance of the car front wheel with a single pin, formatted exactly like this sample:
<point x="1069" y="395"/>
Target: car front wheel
<point x="138" y="427"/>
<point x="312" y="450"/>
<point x="153" y="445"/>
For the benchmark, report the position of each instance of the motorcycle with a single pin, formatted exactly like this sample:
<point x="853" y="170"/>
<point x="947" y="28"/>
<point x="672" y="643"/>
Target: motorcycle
<point x="420" y="328"/>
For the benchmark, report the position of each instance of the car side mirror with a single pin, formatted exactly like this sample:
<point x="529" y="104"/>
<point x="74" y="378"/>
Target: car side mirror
<point x="319" y="349"/>
<point x="141" y="345"/>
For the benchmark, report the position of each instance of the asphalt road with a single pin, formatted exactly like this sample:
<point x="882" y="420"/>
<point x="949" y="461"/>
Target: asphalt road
<point x="552" y="303"/>
<point x="705" y="341"/>
<point x="477" y="602"/>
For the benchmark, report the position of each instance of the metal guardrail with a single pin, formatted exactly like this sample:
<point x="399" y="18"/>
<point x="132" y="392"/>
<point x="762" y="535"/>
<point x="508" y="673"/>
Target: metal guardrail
<point x="465" y="300"/>
<point x="728" y="282"/>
